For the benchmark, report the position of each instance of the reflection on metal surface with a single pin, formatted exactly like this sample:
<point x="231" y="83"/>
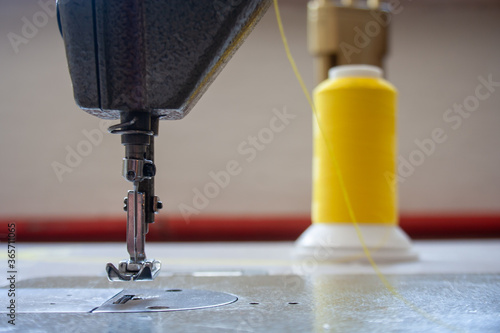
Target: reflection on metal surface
<point x="61" y="300"/>
<point x="326" y="303"/>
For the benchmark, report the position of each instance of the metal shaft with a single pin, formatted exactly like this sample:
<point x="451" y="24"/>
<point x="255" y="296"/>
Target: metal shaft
<point x="138" y="129"/>
<point x="136" y="225"/>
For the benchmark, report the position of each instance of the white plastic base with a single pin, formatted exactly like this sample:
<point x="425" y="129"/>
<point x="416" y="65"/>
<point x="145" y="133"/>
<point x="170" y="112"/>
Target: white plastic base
<point x="340" y="242"/>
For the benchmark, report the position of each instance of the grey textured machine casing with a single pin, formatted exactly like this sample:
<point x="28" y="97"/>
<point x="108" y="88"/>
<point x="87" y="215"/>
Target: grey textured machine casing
<point x="156" y="56"/>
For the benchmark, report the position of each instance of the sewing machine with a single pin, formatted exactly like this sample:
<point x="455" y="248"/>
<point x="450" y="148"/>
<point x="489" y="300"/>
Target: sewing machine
<point x="142" y="62"/>
<point x="146" y="61"/>
<point x="125" y="66"/>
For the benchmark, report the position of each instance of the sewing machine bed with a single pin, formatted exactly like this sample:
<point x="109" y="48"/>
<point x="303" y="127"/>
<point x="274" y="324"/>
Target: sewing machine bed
<point x="455" y="286"/>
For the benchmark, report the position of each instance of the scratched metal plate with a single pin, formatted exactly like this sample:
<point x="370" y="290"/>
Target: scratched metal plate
<point x="288" y="303"/>
<point x="60" y="300"/>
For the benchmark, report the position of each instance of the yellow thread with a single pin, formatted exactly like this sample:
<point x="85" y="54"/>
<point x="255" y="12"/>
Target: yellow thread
<point x="366" y="251"/>
<point x="327" y="143"/>
<point x="358" y="117"/>
<point x="311" y="103"/>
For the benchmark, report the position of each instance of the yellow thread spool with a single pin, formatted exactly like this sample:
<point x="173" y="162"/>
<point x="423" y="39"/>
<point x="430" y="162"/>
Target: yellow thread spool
<point x="356" y="108"/>
<point x="355" y="161"/>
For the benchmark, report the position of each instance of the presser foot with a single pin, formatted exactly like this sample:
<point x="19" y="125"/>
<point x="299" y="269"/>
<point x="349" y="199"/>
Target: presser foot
<point x="127" y="270"/>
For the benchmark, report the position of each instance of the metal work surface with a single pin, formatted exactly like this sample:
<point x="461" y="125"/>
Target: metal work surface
<point x="62" y="300"/>
<point x="453" y="287"/>
<point x="279" y="303"/>
<point x="77" y="259"/>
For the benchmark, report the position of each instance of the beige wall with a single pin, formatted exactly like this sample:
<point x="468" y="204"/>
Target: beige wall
<point x="438" y="51"/>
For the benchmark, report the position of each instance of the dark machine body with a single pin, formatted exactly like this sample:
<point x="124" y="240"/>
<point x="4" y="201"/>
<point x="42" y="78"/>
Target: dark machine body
<point x="140" y="61"/>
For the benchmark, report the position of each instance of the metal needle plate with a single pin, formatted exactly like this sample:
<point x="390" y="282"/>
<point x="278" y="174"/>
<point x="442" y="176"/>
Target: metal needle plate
<point x="160" y="300"/>
<point x="67" y="300"/>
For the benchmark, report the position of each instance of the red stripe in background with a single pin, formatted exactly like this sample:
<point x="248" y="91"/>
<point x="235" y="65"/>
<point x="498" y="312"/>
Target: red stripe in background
<point x="234" y="228"/>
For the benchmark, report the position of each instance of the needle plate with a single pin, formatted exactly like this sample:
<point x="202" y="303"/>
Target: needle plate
<point x="160" y="300"/>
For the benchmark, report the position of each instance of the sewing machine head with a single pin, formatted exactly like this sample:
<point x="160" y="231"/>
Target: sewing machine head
<point x="142" y="61"/>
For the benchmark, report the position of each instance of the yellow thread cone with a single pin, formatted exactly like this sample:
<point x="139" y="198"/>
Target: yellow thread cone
<point x="358" y="118"/>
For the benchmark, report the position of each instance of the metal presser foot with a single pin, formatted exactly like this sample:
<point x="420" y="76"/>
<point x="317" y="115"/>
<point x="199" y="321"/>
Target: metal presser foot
<point x="138" y="130"/>
<point x="137" y="267"/>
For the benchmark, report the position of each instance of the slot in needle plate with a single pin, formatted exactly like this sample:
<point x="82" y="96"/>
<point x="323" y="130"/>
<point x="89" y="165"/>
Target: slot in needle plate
<point x="161" y="300"/>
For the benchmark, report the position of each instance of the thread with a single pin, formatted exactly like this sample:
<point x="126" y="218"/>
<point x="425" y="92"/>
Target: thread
<point x="345" y="194"/>
<point x="358" y="118"/>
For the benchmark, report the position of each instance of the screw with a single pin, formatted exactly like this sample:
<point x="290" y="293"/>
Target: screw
<point x="130" y="176"/>
<point x="149" y="170"/>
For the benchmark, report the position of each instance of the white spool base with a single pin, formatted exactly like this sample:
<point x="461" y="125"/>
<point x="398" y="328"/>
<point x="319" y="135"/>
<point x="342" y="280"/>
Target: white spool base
<point x="340" y="242"/>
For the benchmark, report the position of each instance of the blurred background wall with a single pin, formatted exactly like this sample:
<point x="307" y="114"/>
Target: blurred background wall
<point x="438" y="52"/>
